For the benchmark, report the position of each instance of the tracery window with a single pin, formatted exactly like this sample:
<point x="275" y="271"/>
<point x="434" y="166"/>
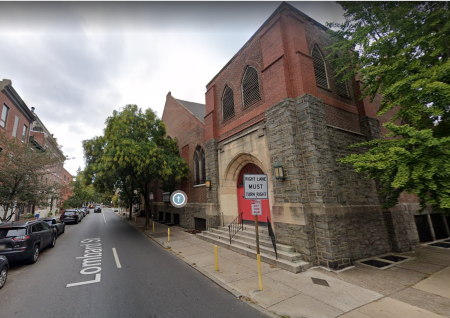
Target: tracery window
<point x="199" y="166"/>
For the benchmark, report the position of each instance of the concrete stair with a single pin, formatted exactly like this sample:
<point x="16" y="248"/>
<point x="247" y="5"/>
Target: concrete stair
<point x="244" y="242"/>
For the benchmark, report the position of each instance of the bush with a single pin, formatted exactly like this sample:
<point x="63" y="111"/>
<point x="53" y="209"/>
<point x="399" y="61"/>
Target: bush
<point x="50" y="214"/>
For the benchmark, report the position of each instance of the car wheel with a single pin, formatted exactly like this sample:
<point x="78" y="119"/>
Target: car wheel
<point x="78" y="221"/>
<point x="34" y="255"/>
<point x="53" y="243"/>
<point x="3" y="276"/>
<point x="64" y="229"/>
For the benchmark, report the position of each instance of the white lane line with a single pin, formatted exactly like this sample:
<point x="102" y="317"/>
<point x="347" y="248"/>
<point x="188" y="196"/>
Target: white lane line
<point x="104" y="216"/>
<point x="116" y="258"/>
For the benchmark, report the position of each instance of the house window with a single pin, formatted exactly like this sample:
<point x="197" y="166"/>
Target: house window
<point x="24" y="133"/>
<point x="199" y="166"/>
<point x="227" y="103"/>
<point x="320" y="68"/>
<point x="16" y="125"/>
<point x="4" y="116"/>
<point x="250" y="86"/>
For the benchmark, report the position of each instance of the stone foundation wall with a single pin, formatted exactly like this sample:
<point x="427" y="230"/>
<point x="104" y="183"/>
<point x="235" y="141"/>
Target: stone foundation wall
<point x="187" y="213"/>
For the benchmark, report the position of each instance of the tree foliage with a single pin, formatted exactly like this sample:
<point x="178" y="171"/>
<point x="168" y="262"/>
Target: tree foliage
<point x="401" y="50"/>
<point x="134" y="153"/>
<point x="23" y="171"/>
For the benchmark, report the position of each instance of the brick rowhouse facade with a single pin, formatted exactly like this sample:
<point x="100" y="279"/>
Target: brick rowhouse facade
<point x="306" y="120"/>
<point x="184" y="121"/>
<point x="16" y="118"/>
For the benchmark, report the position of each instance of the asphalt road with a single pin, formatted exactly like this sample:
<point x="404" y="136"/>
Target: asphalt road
<point x="150" y="283"/>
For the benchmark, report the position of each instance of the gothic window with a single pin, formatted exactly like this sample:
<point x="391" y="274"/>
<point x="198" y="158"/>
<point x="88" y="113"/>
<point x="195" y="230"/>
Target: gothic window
<point x="250" y="86"/>
<point x="342" y="87"/>
<point x="320" y="68"/>
<point x="199" y="166"/>
<point x="227" y="103"/>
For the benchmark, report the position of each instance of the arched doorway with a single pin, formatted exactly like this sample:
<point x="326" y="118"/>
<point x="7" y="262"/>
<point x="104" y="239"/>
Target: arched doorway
<point x="245" y="205"/>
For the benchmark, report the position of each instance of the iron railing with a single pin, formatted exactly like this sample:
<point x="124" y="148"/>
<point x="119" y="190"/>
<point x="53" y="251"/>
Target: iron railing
<point x="235" y="226"/>
<point x="272" y="237"/>
<point x="212" y="222"/>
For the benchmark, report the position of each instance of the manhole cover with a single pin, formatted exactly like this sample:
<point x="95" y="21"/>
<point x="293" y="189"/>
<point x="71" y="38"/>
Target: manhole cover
<point x="444" y="245"/>
<point x="375" y="263"/>
<point x="319" y="281"/>
<point x="393" y="258"/>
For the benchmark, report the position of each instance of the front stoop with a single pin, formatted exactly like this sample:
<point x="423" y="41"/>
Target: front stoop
<point x="244" y="242"/>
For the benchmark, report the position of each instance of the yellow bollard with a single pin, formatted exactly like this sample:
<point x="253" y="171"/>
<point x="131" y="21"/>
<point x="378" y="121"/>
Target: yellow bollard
<point x="153" y="226"/>
<point x="168" y="234"/>
<point x="259" y="272"/>
<point x="216" y="254"/>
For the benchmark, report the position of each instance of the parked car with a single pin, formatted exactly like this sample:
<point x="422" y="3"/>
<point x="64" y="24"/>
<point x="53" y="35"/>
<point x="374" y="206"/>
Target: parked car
<point x="56" y="223"/>
<point x="70" y="216"/>
<point x="97" y="209"/>
<point x="23" y="240"/>
<point x="4" y="268"/>
<point x="82" y="211"/>
<point x="86" y="210"/>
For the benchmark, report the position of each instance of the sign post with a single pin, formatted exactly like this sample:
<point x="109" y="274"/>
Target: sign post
<point x="255" y="189"/>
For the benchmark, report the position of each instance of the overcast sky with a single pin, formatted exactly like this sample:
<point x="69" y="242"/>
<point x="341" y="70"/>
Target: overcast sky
<point x="76" y="62"/>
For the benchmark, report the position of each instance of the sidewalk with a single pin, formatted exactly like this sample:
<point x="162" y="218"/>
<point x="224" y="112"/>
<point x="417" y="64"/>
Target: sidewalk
<point x="417" y="288"/>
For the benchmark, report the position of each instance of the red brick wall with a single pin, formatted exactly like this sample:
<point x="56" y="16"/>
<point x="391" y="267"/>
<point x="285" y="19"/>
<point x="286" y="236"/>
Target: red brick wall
<point x="13" y="111"/>
<point x="190" y="132"/>
<point x="281" y="53"/>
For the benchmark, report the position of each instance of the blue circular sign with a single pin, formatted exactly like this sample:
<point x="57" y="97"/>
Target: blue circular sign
<point x="178" y="199"/>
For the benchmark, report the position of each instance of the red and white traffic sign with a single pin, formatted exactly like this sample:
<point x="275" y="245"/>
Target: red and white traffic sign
<point x="256" y="207"/>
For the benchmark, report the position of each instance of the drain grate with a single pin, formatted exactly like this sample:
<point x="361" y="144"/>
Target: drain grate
<point x="393" y="258"/>
<point x="319" y="281"/>
<point x="376" y="263"/>
<point x="444" y="245"/>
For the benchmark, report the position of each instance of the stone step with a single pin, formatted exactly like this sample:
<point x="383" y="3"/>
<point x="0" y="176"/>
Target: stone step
<point x="294" y="267"/>
<point x="264" y="240"/>
<point x="268" y="250"/>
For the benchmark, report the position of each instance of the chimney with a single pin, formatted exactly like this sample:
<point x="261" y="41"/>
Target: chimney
<point x="32" y="109"/>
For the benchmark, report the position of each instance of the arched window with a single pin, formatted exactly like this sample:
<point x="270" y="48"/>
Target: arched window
<point x="199" y="166"/>
<point x="227" y="103"/>
<point x="250" y="86"/>
<point x="320" y="68"/>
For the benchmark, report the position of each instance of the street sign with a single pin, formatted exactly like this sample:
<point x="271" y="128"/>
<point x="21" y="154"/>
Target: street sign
<point x="255" y="186"/>
<point x="166" y="197"/>
<point x="256" y="207"/>
<point x="178" y="199"/>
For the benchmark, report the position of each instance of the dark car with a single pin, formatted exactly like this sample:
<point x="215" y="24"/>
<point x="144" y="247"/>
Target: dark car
<point x="97" y="209"/>
<point x="4" y="268"/>
<point x="24" y="240"/>
<point x="56" y="223"/>
<point x="70" y="216"/>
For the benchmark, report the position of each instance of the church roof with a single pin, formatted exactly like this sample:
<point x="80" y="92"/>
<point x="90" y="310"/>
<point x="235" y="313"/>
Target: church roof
<point x="199" y="110"/>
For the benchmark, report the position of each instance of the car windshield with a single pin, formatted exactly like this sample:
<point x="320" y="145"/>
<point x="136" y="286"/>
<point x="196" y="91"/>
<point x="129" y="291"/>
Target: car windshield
<point x="49" y="221"/>
<point x="12" y="232"/>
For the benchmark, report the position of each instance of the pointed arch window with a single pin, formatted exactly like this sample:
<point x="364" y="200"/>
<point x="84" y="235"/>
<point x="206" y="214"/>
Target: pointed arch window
<point x="250" y="86"/>
<point x="227" y="103"/>
<point x="342" y="87"/>
<point x="199" y="166"/>
<point x="320" y="68"/>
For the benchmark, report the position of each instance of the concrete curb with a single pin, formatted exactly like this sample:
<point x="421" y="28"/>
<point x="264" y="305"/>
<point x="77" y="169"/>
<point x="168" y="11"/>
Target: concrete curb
<point x="230" y="290"/>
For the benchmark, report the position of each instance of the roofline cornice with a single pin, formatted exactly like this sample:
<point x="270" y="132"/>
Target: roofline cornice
<point x="12" y="95"/>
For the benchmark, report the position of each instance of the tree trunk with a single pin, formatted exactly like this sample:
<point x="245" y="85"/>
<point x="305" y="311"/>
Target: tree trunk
<point x="146" y="207"/>
<point x="131" y="208"/>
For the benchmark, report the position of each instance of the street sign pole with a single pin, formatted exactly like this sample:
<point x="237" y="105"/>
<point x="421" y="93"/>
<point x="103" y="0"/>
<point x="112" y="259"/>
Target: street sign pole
<point x="258" y="256"/>
<point x="255" y="189"/>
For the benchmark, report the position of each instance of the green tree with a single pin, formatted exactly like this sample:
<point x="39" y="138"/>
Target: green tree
<point x="23" y="176"/>
<point x="401" y="51"/>
<point x="135" y="154"/>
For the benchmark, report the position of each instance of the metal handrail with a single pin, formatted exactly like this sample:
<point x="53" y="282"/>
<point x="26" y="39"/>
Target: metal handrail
<point x="272" y="237"/>
<point x="213" y="222"/>
<point x="235" y="226"/>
